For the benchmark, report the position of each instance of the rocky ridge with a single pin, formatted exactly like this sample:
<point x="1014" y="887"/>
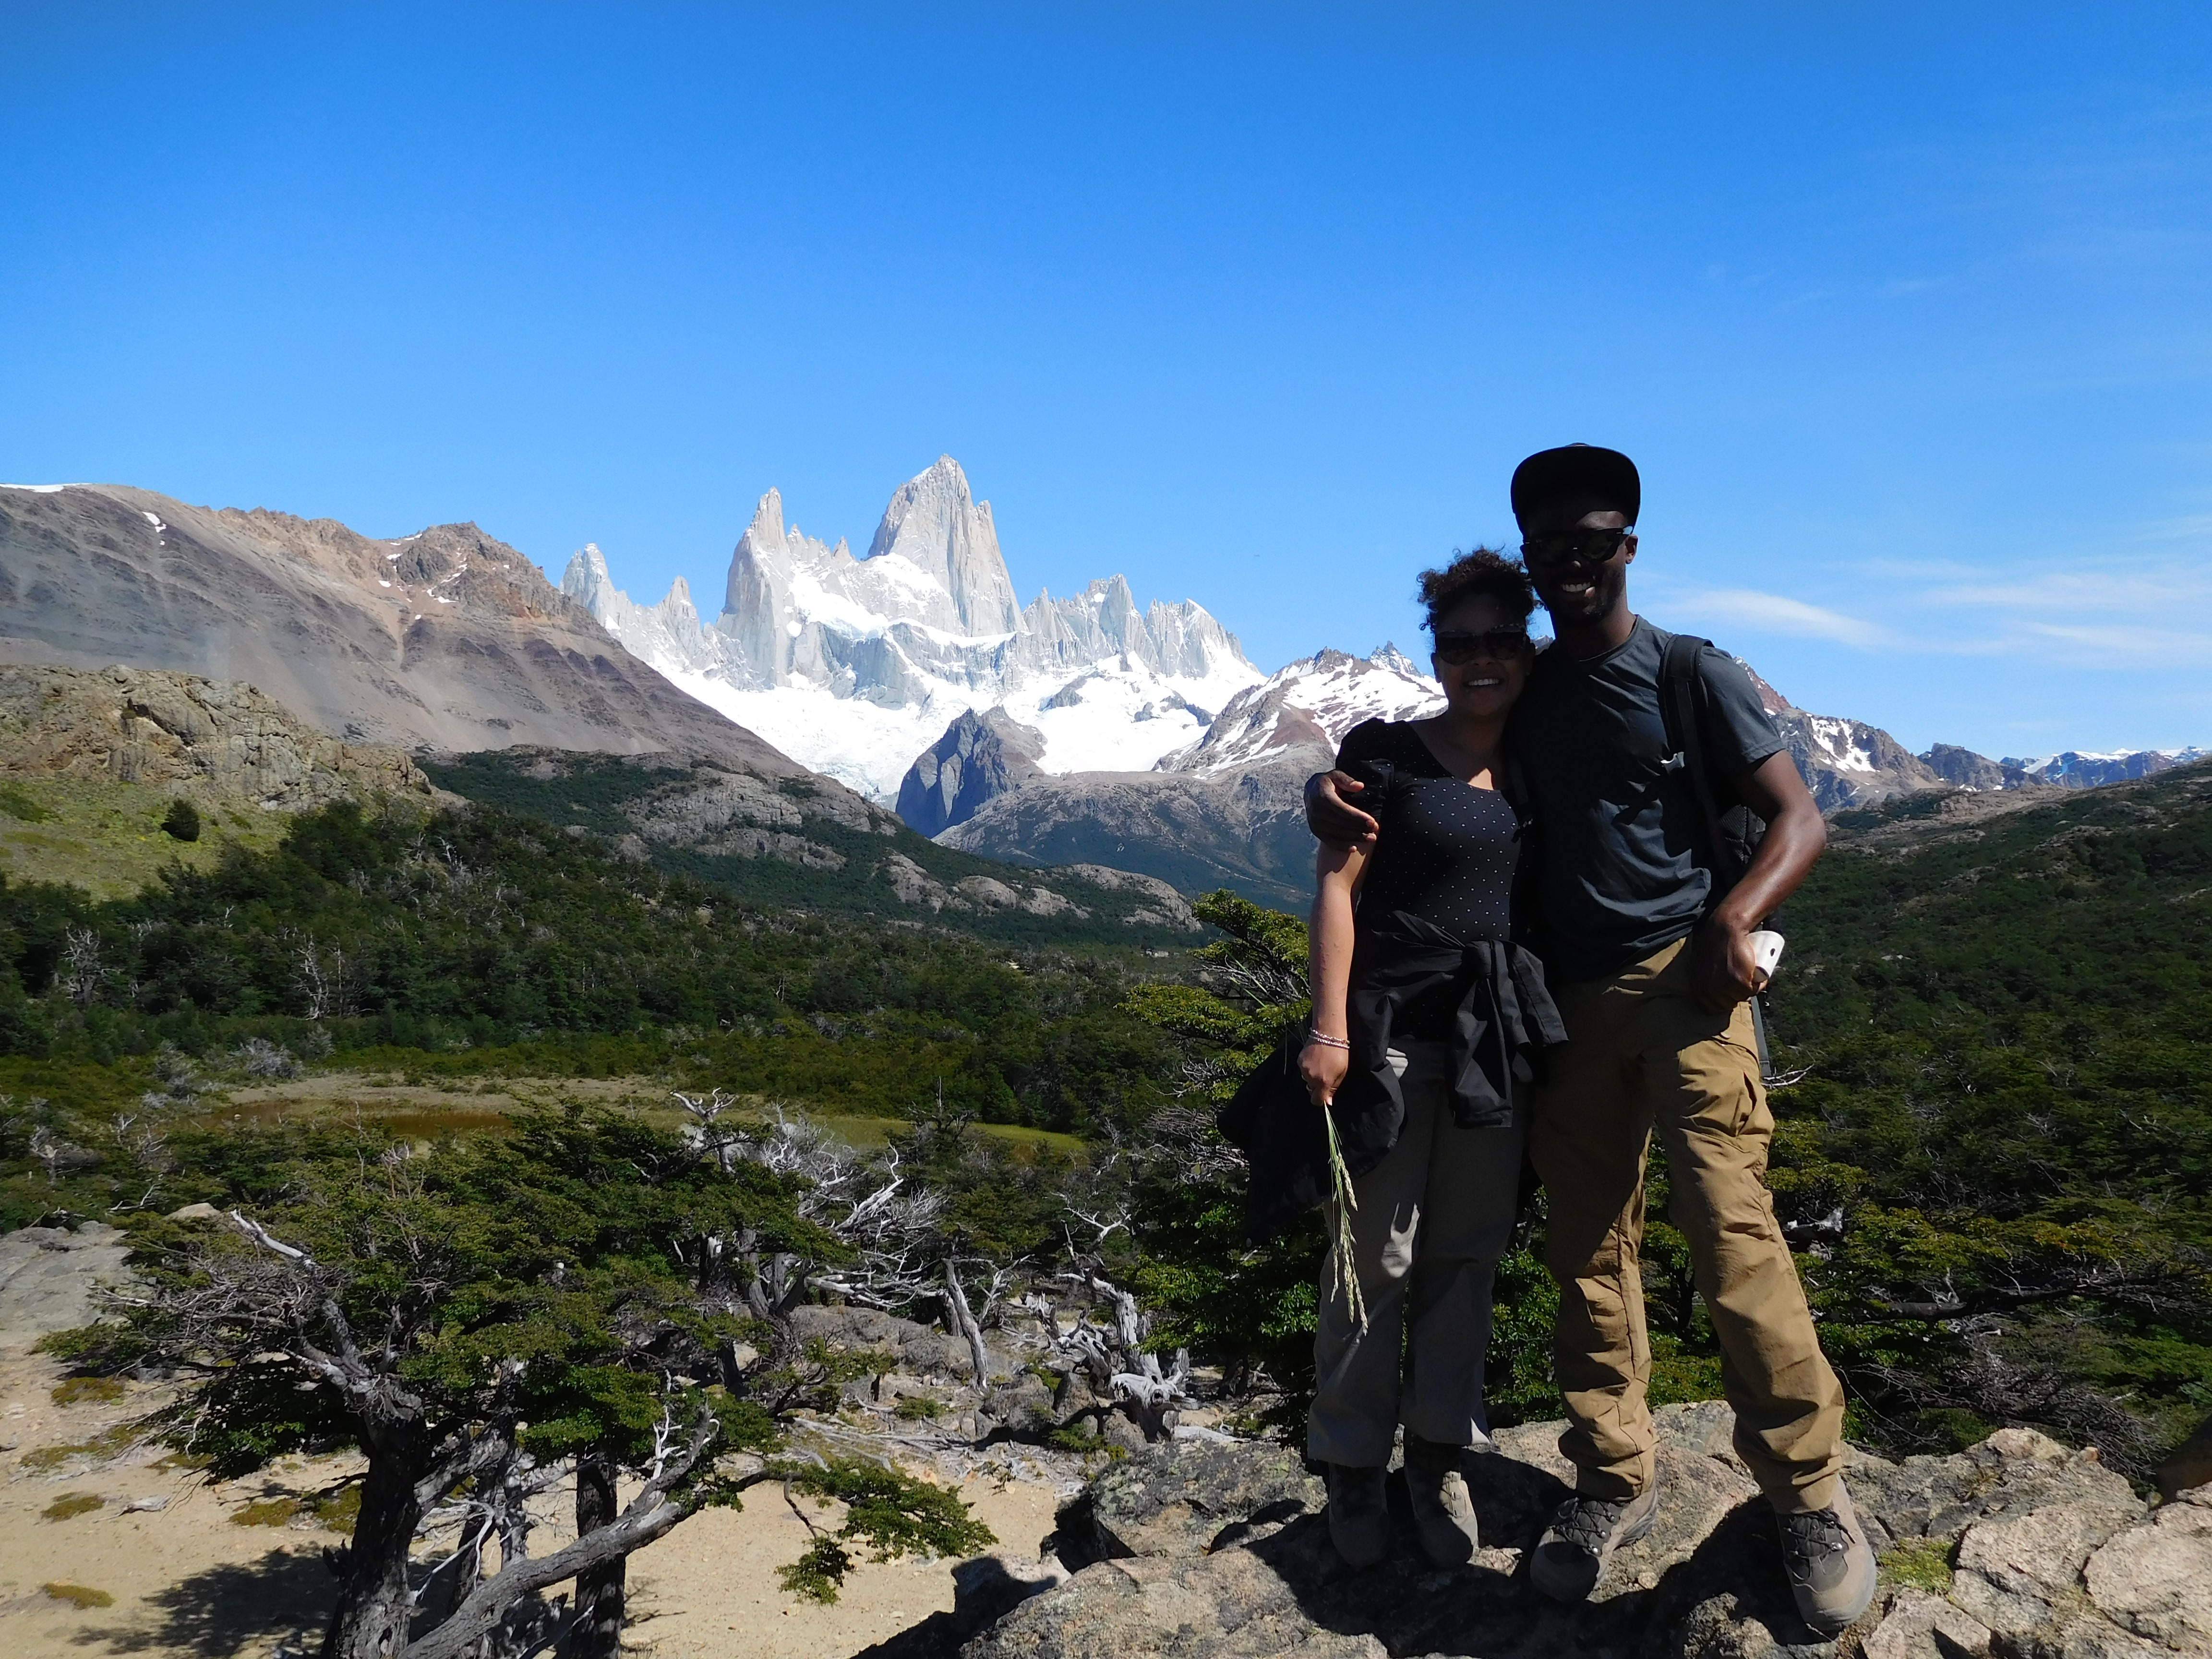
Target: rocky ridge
<point x="210" y="740"/>
<point x="1243" y="828"/>
<point x="654" y="806"/>
<point x="2017" y="1547"/>
<point x="448" y="639"/>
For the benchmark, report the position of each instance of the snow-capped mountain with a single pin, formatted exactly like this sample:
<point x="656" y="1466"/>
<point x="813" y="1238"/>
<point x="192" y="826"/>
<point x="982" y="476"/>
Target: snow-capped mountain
<point x="855" y="666"/>
<point x="2075" y="770"/>
<point x="1316" y="699"/>
<point x="1225" y="810"/>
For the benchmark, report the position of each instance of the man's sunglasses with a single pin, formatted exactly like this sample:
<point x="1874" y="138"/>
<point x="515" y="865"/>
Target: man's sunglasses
<point x="1587" y="546"/>
<point x="1457" y="645"/>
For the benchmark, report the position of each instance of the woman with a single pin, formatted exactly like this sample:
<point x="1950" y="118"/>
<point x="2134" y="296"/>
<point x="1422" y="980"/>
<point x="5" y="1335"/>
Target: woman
<point x="1428" y="1024"/>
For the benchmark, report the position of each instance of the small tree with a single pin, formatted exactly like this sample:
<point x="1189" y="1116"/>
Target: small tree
<point x="480" y="1321"/>
<point x="182" y="821"/>
<point x="1250" y="1310"/>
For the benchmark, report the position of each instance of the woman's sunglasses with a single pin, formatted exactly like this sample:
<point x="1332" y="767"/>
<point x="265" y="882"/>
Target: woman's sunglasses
<point x="1457" y="645"/>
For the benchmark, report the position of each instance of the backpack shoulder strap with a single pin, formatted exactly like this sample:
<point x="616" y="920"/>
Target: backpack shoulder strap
<point x="1680" y="685"/>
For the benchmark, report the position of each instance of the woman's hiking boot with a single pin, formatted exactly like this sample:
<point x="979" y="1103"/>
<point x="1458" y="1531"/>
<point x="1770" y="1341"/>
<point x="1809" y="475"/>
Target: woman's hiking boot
<point x="1443" y="1514"/>
<point x="1359" y="1515"/>
<point x="1829" y="1564"/>
<point x="1571" y="1556"/>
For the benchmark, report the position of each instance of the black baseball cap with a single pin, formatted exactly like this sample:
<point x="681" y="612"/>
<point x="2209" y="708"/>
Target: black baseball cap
<point x="1603" y="480"/>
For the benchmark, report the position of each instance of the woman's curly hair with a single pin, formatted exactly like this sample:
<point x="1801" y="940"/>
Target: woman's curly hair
<point x="1484" y="573"/>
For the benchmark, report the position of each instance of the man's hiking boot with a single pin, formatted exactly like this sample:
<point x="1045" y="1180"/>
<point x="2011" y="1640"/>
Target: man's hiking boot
<point x="1359" y="1515"/>
<point x="1829" y="1564"/>
<point x="1443" y="1514"/>
<point x="1571" y="1556"/>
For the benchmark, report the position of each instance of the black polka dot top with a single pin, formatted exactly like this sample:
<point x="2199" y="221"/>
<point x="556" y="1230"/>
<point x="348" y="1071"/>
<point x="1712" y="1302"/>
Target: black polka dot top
<point x="1446" y="852"/>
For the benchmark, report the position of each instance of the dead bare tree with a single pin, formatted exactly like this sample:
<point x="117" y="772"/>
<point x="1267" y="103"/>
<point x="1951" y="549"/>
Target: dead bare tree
<point x="890" y="1226"/>
<point x="81" y="972"/>
<point x="321" y="973"/>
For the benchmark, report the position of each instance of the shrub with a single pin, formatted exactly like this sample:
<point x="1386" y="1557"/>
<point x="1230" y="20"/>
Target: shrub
<point x="82" y="1594"/>
<point x="182" y="821"/>
<point x="84" y="1391"/>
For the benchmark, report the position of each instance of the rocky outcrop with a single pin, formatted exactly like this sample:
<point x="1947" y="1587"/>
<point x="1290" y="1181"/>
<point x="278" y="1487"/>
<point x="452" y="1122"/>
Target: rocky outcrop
<point x="1965" y="769"/>
<point x="704" y="803"/>
<point x="446" y="639"/>
<point x="1165" y="908"/>
<point x="979" y="758"/>
<point x="1241" y="827"/>
<point x="1846" y="763"/>
<point x="2017" y="1547"/>
<point x="50" y="1277"/>
<point x="213" y="740"/>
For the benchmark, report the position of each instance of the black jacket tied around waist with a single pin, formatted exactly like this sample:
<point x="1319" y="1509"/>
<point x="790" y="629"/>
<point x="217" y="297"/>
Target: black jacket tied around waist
<point x="1503" y="1021"/>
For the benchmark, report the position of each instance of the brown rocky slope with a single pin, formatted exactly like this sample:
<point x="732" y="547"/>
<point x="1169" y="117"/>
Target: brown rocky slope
<point x="448" y="639"/>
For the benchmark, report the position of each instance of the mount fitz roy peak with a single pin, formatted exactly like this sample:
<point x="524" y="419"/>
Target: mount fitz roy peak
<point x="855" y="666"/>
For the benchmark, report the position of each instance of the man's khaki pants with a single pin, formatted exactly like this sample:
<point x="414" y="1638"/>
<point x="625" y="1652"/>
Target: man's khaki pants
<point x="1433" y="1218"/>
<point x="1641" y="1054"/>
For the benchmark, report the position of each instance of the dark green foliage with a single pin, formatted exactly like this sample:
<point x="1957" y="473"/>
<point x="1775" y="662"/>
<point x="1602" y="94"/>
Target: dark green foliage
<point x="1250" y="1309"/>
<point x="2010" y="1103"/>
<point x="890" y="1512"/>
<point x="478" y="929"/>
<point x="182" y="821"/>
<point x="16" y="803"/>
<point x="818" y="1572"/>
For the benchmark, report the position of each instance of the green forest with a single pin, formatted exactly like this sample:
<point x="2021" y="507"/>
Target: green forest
<point x="1993" y="1150"/>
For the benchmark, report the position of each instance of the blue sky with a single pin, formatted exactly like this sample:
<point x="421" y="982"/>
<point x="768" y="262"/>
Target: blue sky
<point x="1904" y="311"/>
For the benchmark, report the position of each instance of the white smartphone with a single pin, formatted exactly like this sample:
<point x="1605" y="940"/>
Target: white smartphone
<point x="1767" y="950"/>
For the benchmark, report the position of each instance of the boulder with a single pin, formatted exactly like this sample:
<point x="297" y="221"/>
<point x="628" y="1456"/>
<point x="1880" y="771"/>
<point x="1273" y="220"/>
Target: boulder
<point x="50" y="1277"/>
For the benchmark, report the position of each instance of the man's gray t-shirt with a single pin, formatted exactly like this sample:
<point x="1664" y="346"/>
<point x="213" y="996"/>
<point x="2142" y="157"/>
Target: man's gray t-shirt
<point x="1619" y="835"/>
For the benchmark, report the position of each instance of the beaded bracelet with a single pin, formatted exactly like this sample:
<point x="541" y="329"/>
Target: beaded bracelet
<point x="1327" y="1040"/>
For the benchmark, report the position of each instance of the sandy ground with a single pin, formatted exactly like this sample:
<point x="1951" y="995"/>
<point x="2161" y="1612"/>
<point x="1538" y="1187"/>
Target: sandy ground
<point x="187" y="1580"/>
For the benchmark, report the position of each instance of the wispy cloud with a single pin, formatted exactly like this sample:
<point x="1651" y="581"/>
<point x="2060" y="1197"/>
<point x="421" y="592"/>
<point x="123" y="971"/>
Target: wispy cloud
<point x="2149" y="591"/>
<point x="2115" y="614"/>
<point x="1777" y="613"/>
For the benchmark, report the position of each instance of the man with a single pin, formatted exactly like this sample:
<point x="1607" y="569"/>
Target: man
<point x="1652" y="965"/>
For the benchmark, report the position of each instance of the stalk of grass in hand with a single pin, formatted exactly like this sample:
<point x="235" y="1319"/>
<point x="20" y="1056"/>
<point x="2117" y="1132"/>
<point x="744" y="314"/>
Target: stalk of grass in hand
<point x="1345" y="1267"/>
